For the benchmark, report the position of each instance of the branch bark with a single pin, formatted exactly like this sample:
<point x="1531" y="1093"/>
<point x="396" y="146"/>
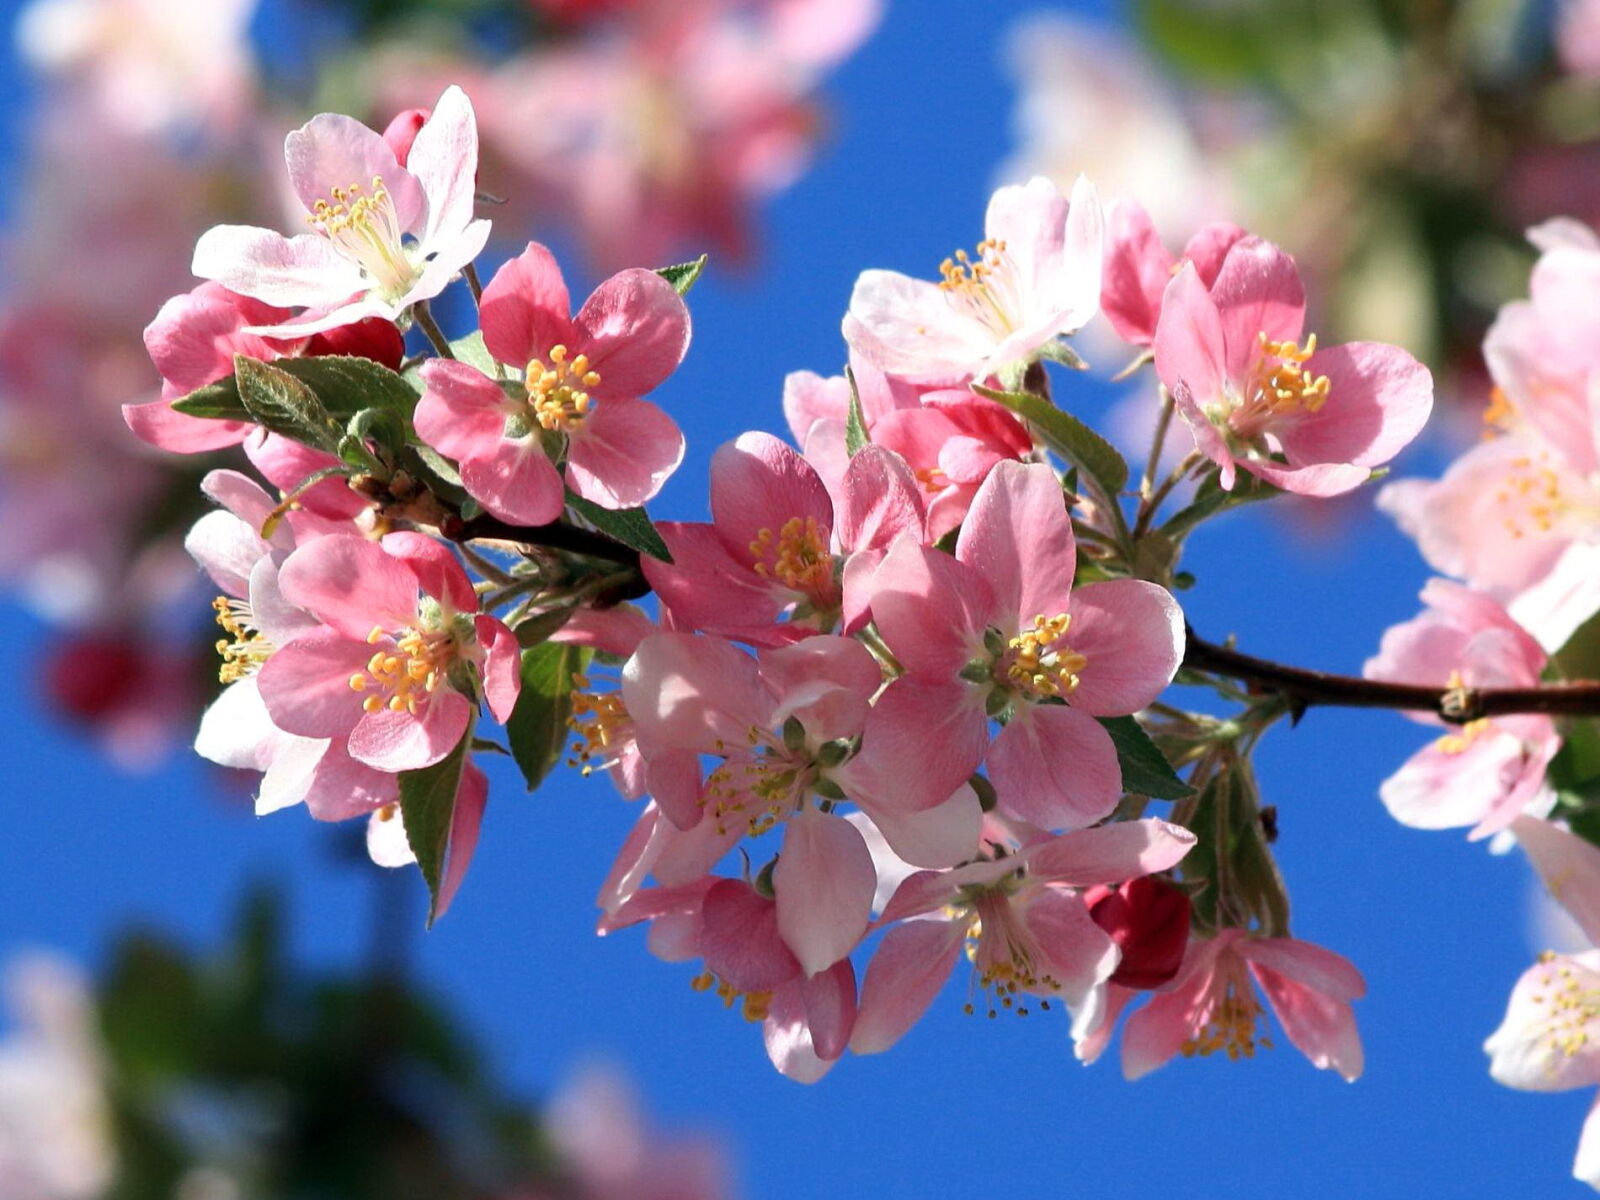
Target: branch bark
<point x="1304" y="689"/>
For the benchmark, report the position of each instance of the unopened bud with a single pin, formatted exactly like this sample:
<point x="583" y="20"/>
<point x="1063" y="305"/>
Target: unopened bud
<point x="1148" y="919"/>
<point x="402" y="132"/>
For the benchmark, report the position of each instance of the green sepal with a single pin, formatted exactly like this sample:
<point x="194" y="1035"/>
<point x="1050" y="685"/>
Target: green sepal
<point x="684" y="276"/>
<point x="855" y="421"/>
<point x="343" y="385"/>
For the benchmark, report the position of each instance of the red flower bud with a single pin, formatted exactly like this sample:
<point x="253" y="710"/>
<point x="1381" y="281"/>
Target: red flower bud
<point x="1149" y="921"/>
<point x="372" y="338"/>
<point x="402" y="131"/>
<point x="91" y="676"/>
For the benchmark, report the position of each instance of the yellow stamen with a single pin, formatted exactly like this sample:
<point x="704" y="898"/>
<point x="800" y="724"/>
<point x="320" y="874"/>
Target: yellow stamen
<point x="1035" y="667"/>
<point x="244" y="650"/>
<point x="558" y="393"/>
<point x="797" y="556"/>
<point x="366" y="229"/>
<point x="406" y="676"/>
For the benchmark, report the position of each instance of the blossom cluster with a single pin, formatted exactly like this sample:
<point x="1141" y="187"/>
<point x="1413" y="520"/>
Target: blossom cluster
<point x="1514" y="523"/>
<point x="699" y="112"/>
<point x="888" y="709"/>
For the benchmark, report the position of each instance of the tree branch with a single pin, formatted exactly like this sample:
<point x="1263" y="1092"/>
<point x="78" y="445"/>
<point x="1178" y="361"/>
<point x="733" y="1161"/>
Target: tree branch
<point x="627" y="584"/>
<point x="1306" y="689"/>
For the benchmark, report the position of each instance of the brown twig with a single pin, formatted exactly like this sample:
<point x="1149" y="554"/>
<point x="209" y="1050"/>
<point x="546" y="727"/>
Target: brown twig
<point x="1304" y="689"/>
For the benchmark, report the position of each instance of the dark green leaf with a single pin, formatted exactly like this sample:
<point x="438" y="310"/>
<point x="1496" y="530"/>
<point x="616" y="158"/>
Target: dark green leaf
<point x="630" y="526"/>
<point x="1145" y="770"/>
<point x="1067" y="436"/>
<point x="685" y="275"/>
<point x="342" y="384"/>
<point x="278" y="401"/>
<point x="439" y="464"/>
<point x="855" y="422"/>
<point x="427" y="805"/>
<point x="538" y="726"/>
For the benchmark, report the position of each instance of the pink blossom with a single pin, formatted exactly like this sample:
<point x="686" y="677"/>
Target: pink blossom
<point x="949" y="437"/>
<point x="1036" y="277"/>
<point x="1487" y="772"/>
<point x="779" y="545"/>
<point x="56" y="1136"/>
<point x="582" y="381"/>
<point x="785" y="728"/>
<point x="1025" y="928"/>
<point x="1138" y="267"/>
<point x="1211" y="1006"/>
<point x="1549" y="1040"/>
<point x="386" y="235"/>
<point x="999" y="630"/>
<point x="806" y="1019"/>
<point x="1309" y="421"/>
<point x="1519" y="514"/>
<point x="657" y="139"/>
<point x="236" y="730"/>
<point x="397" y="657"/>
<point x="151" y="66"/>
<point x="1149" y="921"/>
<point x="596" y="1127"/>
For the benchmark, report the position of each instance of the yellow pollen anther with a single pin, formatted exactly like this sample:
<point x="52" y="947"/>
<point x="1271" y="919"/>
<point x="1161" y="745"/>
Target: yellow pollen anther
<point x="366" y="229"/>
<point x="244" y="649"/>
<point x="558" y="394"/>
<point x="754" y="1006"/>
<point x="1458" y="741"/>
<point x="1037" y="668"/>
<point x="1500" y="415"/>
<point x="418" y="666"/>
<point x="1281" y="384"/>
<point x="1230" y="1026"/>
<point x="1532" y="493"/>
<point x="797" y="556"/>
<point x="601" y="722"/>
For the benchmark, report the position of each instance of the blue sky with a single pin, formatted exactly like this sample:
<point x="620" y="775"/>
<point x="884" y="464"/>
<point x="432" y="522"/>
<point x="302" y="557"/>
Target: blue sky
<point x="962" y="1106"/>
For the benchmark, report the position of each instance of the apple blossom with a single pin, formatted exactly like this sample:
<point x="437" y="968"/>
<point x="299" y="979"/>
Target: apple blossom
<point x="1036" y="277"/>
<point x="583" y="376"/>
<point x="1231" y="355"/>
<point x="390" y="236"/>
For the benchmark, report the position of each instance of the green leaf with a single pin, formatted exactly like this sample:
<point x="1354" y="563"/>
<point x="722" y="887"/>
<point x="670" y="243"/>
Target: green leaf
<point x="278" y="401"/>
<point x="428" y="805"/>
<point x="1210" y="499"/>
<point x="1579" y="656"/>
<point x="473" y="352"/>
<point x="1145" y="770"/>
<point x="1215" y="43"/>
<point x="685" y="275"/>
<point x="630" y="526"/>
<point x="538" y="726"/>
<point x="1067" y="436"/>
<point x="855" y="422"/>
<point x="343" y="385"/>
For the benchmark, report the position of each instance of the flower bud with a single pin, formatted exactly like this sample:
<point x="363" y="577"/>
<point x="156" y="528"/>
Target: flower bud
<point x="372" y="338"/>
<point x="1148" y="919"/>
<point x="403" y="130"/>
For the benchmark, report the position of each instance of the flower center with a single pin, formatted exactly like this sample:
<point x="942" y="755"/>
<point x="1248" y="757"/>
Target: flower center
<point x="755" y="1005"/>
<point x="364" y="227"/>
<point x="760" y="787"/>
<point x="986" y="287"/>
<point x="1007" y="967"/>
<point x="403" y="675"/>
<point x="1279" y="386"/>
<point x="1230" y="1025"/>
<point x="558" y="393"/>
<point x="244" y="654"/>
<point x="797" y="556"/>
<point x="602" y="724"/>
<point x="1459" y="740"/>
<point x="1530" y="497"/>
<point x="1570" y="1008"/>
<point x="1035" y="664"/>
<point x="1499" y="415"/>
